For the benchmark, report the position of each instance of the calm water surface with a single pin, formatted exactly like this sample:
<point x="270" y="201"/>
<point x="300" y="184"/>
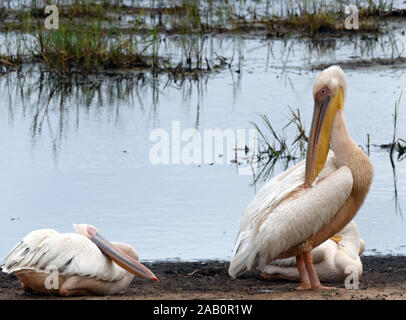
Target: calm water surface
<point x="86" y="161"/>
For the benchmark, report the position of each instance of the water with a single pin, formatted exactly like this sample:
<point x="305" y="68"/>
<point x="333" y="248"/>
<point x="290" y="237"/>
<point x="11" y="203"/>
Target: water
<point x="86" y="161"/>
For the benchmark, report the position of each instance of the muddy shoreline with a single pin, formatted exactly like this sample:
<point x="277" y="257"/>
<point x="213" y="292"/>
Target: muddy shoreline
<point x="384" y="278"/>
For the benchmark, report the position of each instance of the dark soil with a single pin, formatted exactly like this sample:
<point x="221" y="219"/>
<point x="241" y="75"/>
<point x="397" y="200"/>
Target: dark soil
<point x="384" y="278"/>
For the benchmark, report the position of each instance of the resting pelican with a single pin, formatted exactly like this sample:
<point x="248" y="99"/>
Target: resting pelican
<point x="83" y="262"/>
<point x="304" y="206"/>
<point x="330" y="259"/>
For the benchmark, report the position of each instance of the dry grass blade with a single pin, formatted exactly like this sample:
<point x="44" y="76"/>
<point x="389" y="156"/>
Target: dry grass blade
<point x="273" y="149"/>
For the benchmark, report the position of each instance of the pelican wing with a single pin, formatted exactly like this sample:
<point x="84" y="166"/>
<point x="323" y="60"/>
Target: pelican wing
<point x="283" y="214"/>
<point x="69" y="253"/>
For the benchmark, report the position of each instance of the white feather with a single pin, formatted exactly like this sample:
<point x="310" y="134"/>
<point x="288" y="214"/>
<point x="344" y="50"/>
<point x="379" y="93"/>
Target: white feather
<point x="330" y="259"/>
<point x="274" y="222"/>
<point x="69" y="253"/>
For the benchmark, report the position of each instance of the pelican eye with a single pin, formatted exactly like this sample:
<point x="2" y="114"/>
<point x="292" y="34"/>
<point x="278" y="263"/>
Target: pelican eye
<point x="323" y="93"/>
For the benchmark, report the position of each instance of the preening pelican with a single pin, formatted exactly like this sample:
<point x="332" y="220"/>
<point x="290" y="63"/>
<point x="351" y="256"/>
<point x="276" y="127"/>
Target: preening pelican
<point x="330" y="259"/>
<point x="304" y="206"/>
<point x="84" y="262"/>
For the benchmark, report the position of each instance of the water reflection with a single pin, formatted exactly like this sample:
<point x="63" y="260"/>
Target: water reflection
<point x="41" y="91"/>
<point x="89" y="123"/>
<point x="395" y="186"/>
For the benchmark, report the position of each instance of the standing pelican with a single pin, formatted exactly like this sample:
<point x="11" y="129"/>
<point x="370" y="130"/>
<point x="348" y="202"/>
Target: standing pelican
<point x="331" y="259"/>
<point x="83" y="262"/>
<point x="304" y="206"/>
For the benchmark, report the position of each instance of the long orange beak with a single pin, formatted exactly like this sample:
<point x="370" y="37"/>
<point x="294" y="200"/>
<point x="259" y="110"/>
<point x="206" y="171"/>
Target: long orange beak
<point x="123" y="260"/>
<point x="320" y="134"/>
<point x="312" y="158"/>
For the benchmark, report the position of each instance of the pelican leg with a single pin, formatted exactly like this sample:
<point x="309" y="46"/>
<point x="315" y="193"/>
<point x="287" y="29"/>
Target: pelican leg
<point x="314" y="279"/>
<point x="72" y="287"/>
<point x="304" y="276"/>
<point x="71" y="293"/>
<point x="276" y="276"/>
<point x="26" y="288"/>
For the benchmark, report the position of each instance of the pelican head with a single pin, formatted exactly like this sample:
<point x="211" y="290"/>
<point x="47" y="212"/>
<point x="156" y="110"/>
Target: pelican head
<point x="119" y="257"/>
<point x="328" y="93"/>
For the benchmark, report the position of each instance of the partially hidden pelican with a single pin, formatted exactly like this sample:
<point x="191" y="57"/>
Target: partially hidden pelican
<point x="333" y="260"/>
<point x="83" y="263"/>
<point x="304" y="206"/>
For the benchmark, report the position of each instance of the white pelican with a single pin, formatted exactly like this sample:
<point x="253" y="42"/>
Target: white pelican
<point x="330" y="259"/>
<point x="295" y="212"/>
<point x="83" y="262"/>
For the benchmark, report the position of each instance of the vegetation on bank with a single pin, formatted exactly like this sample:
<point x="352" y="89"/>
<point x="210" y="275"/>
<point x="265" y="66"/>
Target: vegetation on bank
<point x="95" y="36"/>
<point x="192" y="16"/>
